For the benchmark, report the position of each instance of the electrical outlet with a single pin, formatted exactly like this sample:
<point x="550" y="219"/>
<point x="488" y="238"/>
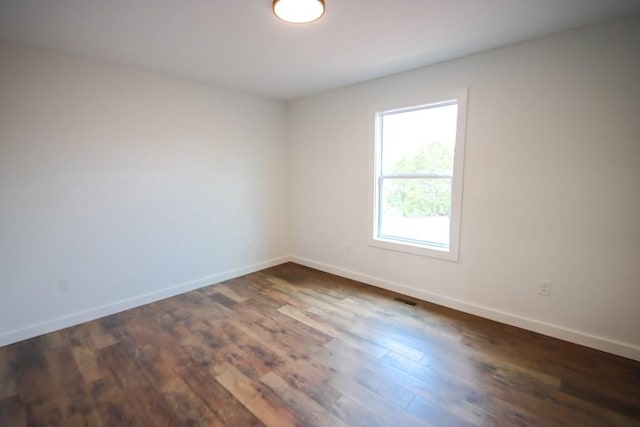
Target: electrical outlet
<point x="544" y="287"/>
<point x="65" y="285"/>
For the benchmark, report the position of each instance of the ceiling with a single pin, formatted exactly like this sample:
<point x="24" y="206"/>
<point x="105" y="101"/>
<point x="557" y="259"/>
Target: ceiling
<point x="240" y="44"/>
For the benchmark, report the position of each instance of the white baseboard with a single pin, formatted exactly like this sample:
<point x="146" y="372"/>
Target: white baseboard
<point x="597" y="342"/>
<point x="56" y="324"/>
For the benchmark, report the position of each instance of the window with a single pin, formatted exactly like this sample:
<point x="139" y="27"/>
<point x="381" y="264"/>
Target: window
<point x="418" y="183"/>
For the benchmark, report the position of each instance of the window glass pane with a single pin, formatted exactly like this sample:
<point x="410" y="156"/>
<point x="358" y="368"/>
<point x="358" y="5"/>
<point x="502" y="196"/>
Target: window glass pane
<point x="419" y="141"/>
<point x="416" y="209"/>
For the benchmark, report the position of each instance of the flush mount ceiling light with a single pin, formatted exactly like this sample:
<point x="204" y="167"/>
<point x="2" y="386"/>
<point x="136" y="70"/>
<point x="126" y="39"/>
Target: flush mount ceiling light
<point x="298" y="11"/>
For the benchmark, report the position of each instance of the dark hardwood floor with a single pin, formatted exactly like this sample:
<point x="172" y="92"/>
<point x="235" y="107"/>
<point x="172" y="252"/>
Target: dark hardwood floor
<point x="291" y="346"/>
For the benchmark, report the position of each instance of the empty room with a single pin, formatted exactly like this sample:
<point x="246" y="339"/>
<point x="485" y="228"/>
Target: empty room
<point x="319" y="213"/>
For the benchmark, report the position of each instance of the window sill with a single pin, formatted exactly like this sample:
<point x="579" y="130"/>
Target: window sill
<point x="415" y="249"/>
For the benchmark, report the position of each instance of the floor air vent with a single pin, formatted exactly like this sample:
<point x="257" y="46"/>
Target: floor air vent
<point x="405" y="301"/>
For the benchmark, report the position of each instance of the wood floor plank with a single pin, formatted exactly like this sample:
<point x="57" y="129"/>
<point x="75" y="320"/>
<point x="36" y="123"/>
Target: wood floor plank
<point x="202" y="352"/>
<point x="12" y="412"/>
<point x="218" y="399"/>
<point x="299" y="372"/>
<point x="228" y="291"/>
<point x="308" y="410"/>
<point x="244" y="350"/>
<point x="253" y="397"/>
<point x="279" y="323"/>
<point x="70" y="388"/>
<point x="466" y="402"/>
<point x="459" y="394"/>
<point x="304" y="296"/>
<point x="100" y="334"/>
<point x="435" y="414"/>
<point x="347" y="338"/>
<point x="111" y="403"/>
<point x="142" y="395"/>
<point x="363" y="329"/>
<point x="311" y="379"/>
<point x="356" y="415"/>
<point x="87" y="363"/>
<point x="365" y="370"/>
<point x="187" y="406"/>
<point x="223" y="300"/>
<point x="55" y="340"/>
<point x="604" y="398"/>
<point x="35" y="386"/>
<point x="8" y="385"/>
<point x="380" y="406"/>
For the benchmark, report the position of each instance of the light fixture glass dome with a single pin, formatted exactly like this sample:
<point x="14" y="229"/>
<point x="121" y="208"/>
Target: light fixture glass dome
<point x="298" y="11"/>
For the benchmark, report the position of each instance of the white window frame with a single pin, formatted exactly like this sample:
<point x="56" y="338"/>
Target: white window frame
<point x="451" y="253"/>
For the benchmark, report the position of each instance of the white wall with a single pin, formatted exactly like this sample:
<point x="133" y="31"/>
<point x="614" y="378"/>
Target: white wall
<point x="132" y="185"/>
<point x="551" y="185"/>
